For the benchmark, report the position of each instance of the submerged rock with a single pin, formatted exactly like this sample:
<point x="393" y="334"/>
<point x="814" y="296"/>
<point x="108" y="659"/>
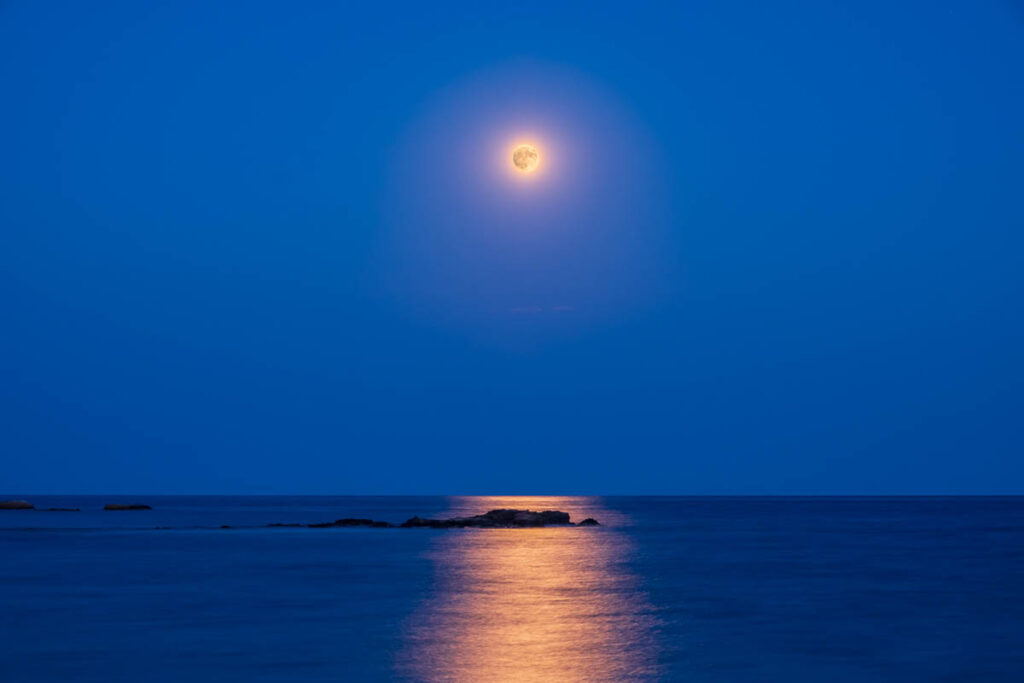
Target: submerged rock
<point x="123" y="506"/>
<point x="589" y="521"/>
<point x="16" y="505"/>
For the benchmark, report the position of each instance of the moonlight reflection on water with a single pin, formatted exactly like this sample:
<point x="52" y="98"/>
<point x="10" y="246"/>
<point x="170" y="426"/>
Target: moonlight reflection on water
<point x="531" y="605"/>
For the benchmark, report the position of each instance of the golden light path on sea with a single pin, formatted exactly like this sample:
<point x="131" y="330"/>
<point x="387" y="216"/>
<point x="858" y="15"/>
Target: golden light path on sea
<point x="551" y="605"/>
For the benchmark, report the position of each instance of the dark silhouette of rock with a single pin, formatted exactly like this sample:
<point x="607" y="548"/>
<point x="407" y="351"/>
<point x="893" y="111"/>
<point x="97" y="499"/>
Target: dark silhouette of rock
<point x="123" y="506"/>
<point x="16" y="505"/>
<point x="348" y="521"/>
<point x="589" y="521"/>
<point x="59" y="510"/>
<point x="555" y="517"/>
<point x="495" y="519"/>
<point x="414" y="522"/>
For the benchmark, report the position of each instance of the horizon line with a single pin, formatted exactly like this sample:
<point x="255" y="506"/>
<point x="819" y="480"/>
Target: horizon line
<point x="538" y="495"/>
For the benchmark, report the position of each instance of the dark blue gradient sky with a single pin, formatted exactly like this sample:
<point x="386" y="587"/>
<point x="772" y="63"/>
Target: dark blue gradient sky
<point x="258" y="247"/>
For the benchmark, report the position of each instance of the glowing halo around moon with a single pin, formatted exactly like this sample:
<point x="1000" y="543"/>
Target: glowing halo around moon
<point x="484" y="245"/>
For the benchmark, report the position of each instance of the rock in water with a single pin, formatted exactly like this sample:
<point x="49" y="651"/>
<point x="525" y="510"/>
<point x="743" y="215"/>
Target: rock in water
<point x="589" y="521"/>
<point x="416" y="522"/>
<point x="16" y="505"/>
<point x="555" y="517"/>
<point x="494" y="519"/>
<point x="122" y="506"/>
<point x="349" y="521"/>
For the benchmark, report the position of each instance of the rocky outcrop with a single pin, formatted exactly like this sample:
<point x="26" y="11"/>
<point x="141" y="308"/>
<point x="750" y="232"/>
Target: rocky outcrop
<point x="123" y="506"/>
<point x="16" y="505"/>
<point x="495" y="519"/>
<point x="348" y="521"/>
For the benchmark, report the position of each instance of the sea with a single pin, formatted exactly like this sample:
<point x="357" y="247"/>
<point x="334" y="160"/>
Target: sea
<point x="716" y="589"/>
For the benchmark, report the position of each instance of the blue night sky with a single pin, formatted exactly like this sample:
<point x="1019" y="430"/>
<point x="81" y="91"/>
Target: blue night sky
<point x="270" y="248"/>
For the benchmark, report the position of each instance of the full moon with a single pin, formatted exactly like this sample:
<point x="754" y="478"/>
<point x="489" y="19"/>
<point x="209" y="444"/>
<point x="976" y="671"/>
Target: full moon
<point x="525" y="158"/>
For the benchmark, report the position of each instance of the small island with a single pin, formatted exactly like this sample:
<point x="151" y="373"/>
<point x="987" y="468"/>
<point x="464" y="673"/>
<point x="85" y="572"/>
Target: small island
<point x="495" y="519"/>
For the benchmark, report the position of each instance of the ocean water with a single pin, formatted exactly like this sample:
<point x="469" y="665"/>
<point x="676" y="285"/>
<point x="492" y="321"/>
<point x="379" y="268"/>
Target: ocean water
<point x="668" y="589"/>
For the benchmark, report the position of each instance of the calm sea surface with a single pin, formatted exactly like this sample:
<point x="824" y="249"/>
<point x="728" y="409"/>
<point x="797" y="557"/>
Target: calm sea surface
<point x="669" y="589"/>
